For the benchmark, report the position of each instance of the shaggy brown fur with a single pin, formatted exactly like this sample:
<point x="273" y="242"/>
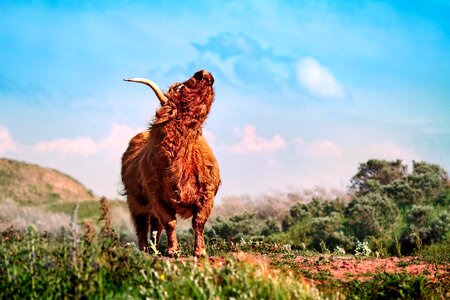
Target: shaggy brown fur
<point x="170" y="169"/>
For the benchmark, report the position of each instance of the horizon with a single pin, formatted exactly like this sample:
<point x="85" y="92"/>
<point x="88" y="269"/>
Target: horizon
<point x="305" y="91"/>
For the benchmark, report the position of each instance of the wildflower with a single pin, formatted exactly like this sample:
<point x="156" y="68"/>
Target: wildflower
<point x="362" y="249"/>
<point x="339" y="250"/>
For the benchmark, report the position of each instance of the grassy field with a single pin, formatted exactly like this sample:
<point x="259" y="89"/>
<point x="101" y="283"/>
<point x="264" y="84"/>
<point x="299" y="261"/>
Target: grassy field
<point x="84" y="262"/>
<point x="388" y="239"/>
<point x="89" y="264"/>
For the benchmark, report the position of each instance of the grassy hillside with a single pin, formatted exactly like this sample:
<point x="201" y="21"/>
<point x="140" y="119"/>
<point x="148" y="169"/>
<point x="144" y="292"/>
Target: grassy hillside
<point x="26" y="183"/>
<point x="31" y="194"/>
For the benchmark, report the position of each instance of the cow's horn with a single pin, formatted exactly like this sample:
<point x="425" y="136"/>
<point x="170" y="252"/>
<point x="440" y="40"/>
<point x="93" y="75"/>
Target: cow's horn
<point x="158" y="92"/>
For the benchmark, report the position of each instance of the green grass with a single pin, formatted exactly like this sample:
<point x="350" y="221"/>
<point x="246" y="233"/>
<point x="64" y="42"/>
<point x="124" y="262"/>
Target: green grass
<point x="39" y="267"/>
<point x="391" y="286"/>
<point x="86" y="209"/>
<point x="438" y="253"/>
<point x="87" y="264"/>
<point x="381" y="286"/>
<point x="84" y="263"/>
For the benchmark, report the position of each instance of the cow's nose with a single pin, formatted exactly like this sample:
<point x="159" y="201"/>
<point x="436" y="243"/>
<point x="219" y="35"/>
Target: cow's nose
<point x="200" y="74"/>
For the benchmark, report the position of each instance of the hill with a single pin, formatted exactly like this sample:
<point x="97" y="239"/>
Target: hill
<point x="32" y="184"/>
<point x="31" y="194"/>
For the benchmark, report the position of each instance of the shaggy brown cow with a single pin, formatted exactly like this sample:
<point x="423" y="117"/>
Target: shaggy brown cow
<point x="170" y="169"/>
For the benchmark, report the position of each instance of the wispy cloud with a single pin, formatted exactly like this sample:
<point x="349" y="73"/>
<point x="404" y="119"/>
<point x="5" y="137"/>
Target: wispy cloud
<point x="318" y="80"/>
<point x="113" y="144"/>
<point x="318" y="148"/>
<point x="82" y="145"/>
<point x="6" y="142"/>
<point x="228" y="45"/>
<point x="251" y="142"/>
<point x="243" y="59"/>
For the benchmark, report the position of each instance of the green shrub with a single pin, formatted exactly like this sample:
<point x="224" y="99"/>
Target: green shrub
<point x="370" y="215"/>
<point x="392" y="209"/>
<point x="243" y="226"/>
<point x="424" y="226"/>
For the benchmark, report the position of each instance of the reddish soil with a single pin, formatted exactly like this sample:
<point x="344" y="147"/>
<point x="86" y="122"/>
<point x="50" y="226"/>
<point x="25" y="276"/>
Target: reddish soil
<point x="320" y="269"/>
<point x="349" y="268"/>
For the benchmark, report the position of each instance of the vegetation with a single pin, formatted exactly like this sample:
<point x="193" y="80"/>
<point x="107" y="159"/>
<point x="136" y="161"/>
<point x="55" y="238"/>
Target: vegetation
<point x="91" y="265"/>
<point x="257" y="253"/>
<point x="391" y="286"/>
<point x="34" y="185"/>
<point x="395" y="212"/>
<point x="87" y="264"/>
<point x="30" y="194"/>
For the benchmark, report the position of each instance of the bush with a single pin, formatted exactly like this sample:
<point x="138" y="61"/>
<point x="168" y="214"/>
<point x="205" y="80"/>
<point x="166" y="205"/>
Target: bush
<point x="391" y="208"/>
<point x="329" y="230"/>
<point x="423" y="228"/>
<point x="370" y="215"/>
<point x="243" y="226"/>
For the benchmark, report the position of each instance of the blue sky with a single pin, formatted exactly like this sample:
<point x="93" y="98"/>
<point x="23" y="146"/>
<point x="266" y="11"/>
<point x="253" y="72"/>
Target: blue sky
<point x="305" y="90"/>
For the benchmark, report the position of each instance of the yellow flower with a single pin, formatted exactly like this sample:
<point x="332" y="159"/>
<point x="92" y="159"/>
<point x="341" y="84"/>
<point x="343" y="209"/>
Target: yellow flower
<point x="162" y="276"/>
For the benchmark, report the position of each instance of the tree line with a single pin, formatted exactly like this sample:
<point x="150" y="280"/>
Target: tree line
<point x="395" y="211"/>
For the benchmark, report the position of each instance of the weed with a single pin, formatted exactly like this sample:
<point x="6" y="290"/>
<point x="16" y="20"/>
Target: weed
<point x="379" y="247"/>
<point x="324" y="248"/>
<point x="418" y="241"/>
<point x="339" y="251"/>
<point x="89" y="232"/>
<point x="154" y="244"/>
<point x="398" y="246"/>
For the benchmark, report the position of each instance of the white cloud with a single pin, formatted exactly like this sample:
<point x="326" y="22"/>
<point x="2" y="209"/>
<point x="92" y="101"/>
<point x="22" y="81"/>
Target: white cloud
<point x="325" y="148"/>
<point x="392" y="151"/>
<point x="317" y="79"/>
<point x="6" y="142"/>
<point x="253" y="143"/>
<point x="318" y="148"/>
<point x="113" y="144"/>
<point x="82" y="145"/>
<point x="116" y="142"/>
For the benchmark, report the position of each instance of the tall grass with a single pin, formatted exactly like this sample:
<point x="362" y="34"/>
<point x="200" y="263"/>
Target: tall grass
<point x="90" y="264"/>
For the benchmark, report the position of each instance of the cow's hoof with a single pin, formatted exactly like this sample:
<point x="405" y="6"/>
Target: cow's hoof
<point x="172" y="253"/>
<point x="200" y="253"/>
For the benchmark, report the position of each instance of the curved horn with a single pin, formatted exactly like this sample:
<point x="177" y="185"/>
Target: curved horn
<point x="158" y="92"/>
